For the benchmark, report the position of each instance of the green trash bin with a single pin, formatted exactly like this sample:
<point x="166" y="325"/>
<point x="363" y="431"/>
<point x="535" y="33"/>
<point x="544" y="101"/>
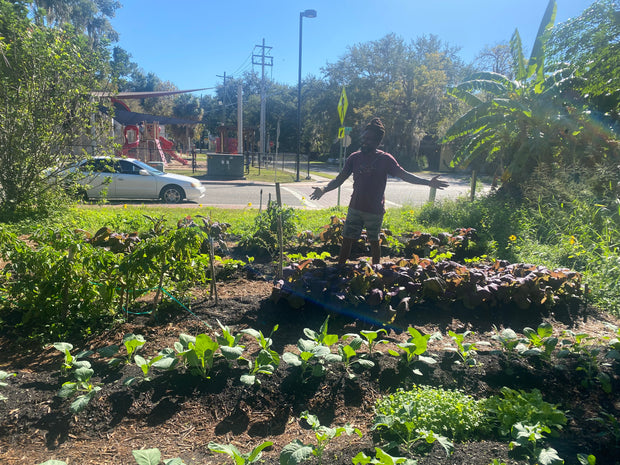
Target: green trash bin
<point x="225" y="166"/>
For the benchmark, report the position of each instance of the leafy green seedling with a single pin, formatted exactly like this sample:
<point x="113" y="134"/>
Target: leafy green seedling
<point x="521" y="406"/>
<point x="466" y="350"/>
<point x="131" y="342"/>
<point x="410" y="435"/>
<point x="83" y="385"/>
<point x="267" y="360"/>
<point x="197" y="352"/>
<point x="587" y="350"/>
<point x="429" y="437"/>
<point x="311" y="358"/>
<point x="264" y="342"/>
<point x="165" y="360"/>
<point x="381" y="458"/>
<point x="230" y="346"/>
<point x="372" y="339"/>
<point x="346" y="353"/>
<point x="153" y="457"/>
<point x="240" y="459"/>
<point x="296" y="452"/>
<point x="414" y="350"/>
<point x="541" y="341"/>
<point x="71" y="361"/>
<point x="322" y="337"/>
<point x="526" y="442"/>
<point x="508" y="339"/>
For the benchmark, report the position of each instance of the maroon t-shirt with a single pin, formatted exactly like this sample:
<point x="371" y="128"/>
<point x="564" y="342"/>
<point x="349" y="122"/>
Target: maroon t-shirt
<point x="370" y="172"/>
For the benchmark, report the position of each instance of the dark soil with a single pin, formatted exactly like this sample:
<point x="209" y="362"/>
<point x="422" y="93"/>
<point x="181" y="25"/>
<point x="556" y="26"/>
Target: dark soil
<point x="180" y="414"/>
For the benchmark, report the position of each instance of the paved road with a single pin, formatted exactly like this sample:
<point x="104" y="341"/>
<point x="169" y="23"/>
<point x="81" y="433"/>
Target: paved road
<point x="244" y="194"/>
<point x="239" y="194"/>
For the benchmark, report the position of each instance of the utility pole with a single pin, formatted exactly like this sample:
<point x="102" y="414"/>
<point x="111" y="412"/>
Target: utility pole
<point x="240" y="119"/>
<point x="265" y="60"/>
<point x="223" y="98"/>
<point x="223" y="136"/>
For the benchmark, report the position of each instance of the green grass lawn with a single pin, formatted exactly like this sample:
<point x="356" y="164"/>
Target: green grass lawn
<point x="255" y="174"/>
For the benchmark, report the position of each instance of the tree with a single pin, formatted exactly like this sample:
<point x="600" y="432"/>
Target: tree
<point x="46" y="79"/>
<point x="404" y="84"/>
<point x="496" y="58"/>
<point x="187" y="106"/>
<point x="590" y="44"/>
<point x="523" y="122"/>
<point x="122" y="69"/>
<point x="89" y="17"/>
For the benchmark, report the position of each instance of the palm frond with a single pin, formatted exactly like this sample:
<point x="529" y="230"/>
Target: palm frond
<point x="483" y="85"/>
<point x="464" y="96"/>
<point x="495" y="77"/>
<point x="518" y="60"/>
<point x="536" y="63"/>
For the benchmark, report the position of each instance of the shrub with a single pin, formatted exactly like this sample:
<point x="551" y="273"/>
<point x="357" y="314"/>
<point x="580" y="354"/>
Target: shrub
<point x="264" y="238"/>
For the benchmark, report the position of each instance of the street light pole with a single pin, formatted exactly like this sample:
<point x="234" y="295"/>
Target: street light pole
<point x="302" y="15"/>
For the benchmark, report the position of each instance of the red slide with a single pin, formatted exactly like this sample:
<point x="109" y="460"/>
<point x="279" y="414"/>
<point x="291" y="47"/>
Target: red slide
<point x="166" y="146"/>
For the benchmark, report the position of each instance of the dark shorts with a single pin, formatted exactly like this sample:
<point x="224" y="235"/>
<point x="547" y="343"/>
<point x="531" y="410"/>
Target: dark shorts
<point x="357" y="220"/>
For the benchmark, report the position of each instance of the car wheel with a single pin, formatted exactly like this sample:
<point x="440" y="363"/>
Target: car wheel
<point x="172" y="194"/>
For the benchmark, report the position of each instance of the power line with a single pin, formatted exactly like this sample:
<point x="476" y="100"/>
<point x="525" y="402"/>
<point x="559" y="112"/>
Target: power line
<point x="244" y="66"/>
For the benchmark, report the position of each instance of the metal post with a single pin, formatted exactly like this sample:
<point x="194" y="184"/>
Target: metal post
<point x="307" y="14"/>
<point x="240" y="119"/>
<point x="301" y="15"/>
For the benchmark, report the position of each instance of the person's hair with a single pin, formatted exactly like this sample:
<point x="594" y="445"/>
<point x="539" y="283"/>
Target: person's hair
<point x="375" y="125"/>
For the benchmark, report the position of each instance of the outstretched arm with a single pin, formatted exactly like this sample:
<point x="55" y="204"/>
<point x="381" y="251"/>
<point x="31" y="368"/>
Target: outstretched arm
<point x="413" y="179"/>
<point x="331" y="185"/>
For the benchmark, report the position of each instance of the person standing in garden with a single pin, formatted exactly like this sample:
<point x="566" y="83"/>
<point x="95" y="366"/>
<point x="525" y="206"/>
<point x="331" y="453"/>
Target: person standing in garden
<point x="370" y="168"/>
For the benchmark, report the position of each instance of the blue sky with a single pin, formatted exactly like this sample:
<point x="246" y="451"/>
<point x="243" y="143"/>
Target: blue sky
<point x="192" y="42"/>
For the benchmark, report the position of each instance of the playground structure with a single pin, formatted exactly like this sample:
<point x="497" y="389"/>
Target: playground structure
<point x="144" y="142"/>
<point x="143" y="137"/>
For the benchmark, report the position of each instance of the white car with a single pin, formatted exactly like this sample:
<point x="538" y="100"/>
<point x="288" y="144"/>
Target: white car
<point x="128" y="178"/>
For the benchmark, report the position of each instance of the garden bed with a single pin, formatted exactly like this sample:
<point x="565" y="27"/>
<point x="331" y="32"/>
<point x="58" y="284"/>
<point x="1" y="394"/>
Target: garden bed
<point x="180" y="413"/>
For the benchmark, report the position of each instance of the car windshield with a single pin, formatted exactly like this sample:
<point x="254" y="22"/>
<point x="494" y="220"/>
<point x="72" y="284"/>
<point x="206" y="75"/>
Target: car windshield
<point x="146" y="167"/>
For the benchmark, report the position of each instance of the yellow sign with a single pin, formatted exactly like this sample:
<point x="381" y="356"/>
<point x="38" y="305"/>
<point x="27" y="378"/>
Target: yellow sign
<point x="341" y="133"/>
<point x="343" y="104"/>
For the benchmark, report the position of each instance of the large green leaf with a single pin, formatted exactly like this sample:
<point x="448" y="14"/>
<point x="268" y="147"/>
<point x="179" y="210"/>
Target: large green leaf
<point x="147" y="456"/>
<point x="516" y="49"/>
<point x="506" y="83"/>
<point x="463" y="94"/>
<point x="257" y="451"/>
<point x="228" y="449"/>
<point x="549" y="456"/>
<point x="478" y="85"/>
<point x="295" y="452"/>
<point x="468" y="123"/>
<point x="555" y="82"/>
<point x="536" y="64"/>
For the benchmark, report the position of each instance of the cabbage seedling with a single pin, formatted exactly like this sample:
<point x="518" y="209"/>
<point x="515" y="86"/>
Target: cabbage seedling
<point x="71" y="361"/>
<point x="240" y="459"/>
<point x="82" y="384"/>
<point x="296" y="452"/>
